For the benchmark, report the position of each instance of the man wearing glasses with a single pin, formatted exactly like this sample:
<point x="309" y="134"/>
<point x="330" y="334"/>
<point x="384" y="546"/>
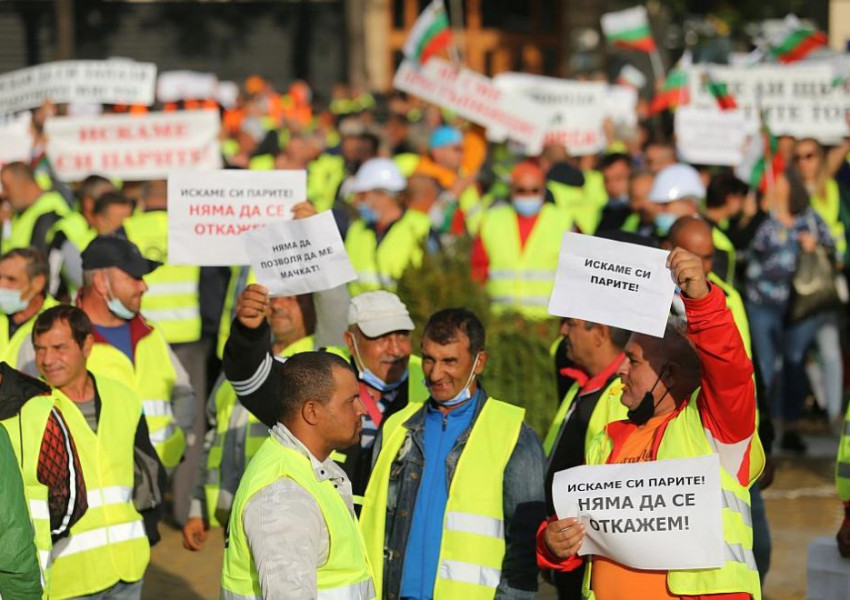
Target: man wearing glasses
<point x="516" y="252"/>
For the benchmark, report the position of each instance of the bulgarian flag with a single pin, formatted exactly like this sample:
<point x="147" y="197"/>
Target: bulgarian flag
<point x="430" y="33"/>
<point x="796" y="40"/>
<point x="631" y="76"/>
<point x="674" y="91"/>
<point x="720" y="92"/>
<point x="763" y="163"/>
<point x="629" y="29"/>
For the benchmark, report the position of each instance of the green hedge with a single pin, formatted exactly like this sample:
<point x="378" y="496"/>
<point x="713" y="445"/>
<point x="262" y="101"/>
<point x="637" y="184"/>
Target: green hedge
<point x="520" y="369"/>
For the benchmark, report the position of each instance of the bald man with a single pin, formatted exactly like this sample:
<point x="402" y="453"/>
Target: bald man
<point x="516" y="251"/>
<point x="694" y="234"/>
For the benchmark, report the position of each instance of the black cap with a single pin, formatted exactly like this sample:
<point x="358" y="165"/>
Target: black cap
<point x="113" y="251"/>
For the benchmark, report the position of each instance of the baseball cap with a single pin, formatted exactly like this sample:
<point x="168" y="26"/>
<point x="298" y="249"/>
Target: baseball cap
<point x="378" y="313"/>
<point x="445" y="136"/>
<point x="106" y="251"/>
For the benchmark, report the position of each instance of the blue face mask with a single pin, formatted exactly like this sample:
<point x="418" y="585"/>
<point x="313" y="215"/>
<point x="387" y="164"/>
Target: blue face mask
<point x="527" y="206"/>
<point x="116" y="307"/>
<point x="664" y="221"/>
<point x="465" y="394"/>
<point x="11" y="301"/>
<point x="372" y="380"/>
<point x="367" y="213"/>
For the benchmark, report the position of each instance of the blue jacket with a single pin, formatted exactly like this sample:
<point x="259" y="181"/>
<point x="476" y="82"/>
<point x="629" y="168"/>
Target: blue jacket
<point x="523" y="497"/>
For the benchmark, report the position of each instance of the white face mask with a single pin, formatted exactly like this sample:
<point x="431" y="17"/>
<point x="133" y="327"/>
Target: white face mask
<point x="372" y="380"/>
<point x="465" y="394"/>
<point x="12" y="301"/>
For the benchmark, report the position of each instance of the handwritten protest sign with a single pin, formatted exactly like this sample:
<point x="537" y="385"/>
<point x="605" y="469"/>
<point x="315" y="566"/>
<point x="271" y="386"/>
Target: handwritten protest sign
<point x="613" y="283"/>
<point x="475" y="97"/>
<point x="131" y="147"/>
<point x="299" y="257"/>
<point x="801" y="101"/>
<point x="706" y="135"/>
<point x="671" y="506"/>
<point x="575" y="109"/>
<point x="104" y="81"/>
<point x="208" y="211"/>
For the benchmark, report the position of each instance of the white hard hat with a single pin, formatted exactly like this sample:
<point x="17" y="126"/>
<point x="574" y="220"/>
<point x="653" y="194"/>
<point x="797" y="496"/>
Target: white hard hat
<point x="379" y="174"/>
<point x="677" y="182"/>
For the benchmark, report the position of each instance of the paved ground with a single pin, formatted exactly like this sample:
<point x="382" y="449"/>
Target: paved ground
<point x="801" y="505"/>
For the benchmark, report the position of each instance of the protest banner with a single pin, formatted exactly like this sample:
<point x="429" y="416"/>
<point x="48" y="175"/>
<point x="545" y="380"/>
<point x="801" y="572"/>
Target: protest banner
<point x="114" y="81"/>
<point x="15" y="138"/>
<point x="672" y="507"/>
<point x="575" y="109"/>
<point x="172" y="86"/>
<point x="133" y="147"/>
<point x="475" y="97"/>
<point x="706" y="135"/>
<point x="208" y="211"/>
<point x="613" y="283"/>
<point x="800" y="101"/>
<point x="299" y="257"/>
<point x="621" y="105"/>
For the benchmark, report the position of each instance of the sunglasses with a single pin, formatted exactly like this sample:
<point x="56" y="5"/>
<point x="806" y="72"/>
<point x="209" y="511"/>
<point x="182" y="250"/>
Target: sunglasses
<point x="535" y="190"/>
<point x="808" y="156"/>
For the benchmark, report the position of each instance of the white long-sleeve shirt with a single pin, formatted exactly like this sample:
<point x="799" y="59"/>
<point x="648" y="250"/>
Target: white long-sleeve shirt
<point x="285" y="528"/>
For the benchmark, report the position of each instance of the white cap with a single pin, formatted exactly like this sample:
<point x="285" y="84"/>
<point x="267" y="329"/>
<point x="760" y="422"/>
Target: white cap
<point x="379" y="174"/>
<point x="378" y="313"/>
<point x="677" y="182"/>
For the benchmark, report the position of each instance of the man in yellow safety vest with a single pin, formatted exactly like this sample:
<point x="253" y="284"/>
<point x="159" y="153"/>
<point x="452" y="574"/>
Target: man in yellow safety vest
<point x="448" y="513"/>
<point x="131" y="350"/>
<point x="107" y="552"/>
<point x="34" y="210"/>
<point x="293" y="531"/>
<point x="23" y="295"/>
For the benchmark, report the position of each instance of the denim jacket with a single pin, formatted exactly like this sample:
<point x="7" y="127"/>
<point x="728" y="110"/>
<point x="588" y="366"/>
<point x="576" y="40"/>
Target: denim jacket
<point x="523" y="497"/>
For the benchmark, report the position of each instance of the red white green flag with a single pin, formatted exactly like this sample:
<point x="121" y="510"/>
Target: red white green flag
<point x="720" y="92"/>
<point x="796" y="40"/>
<point x="629" y="29"/>
<point x="430" y="33"/>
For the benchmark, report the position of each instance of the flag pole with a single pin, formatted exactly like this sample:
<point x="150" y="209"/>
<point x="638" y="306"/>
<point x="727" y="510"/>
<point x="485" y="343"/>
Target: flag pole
<point x="456" y="8"/>
<point x="657" y="64"/>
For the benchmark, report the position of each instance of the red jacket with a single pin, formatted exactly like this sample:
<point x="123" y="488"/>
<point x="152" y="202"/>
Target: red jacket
<point x="726" y="403"/>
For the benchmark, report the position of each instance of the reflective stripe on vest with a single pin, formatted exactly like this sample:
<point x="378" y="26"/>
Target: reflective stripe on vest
<point x="520" y="277"/>
<point x="473" y="545"/>
<point x="99" y="538"/>
<point x="380" y="266"/>
<point x="345" y="575"/>
<point x="172" y="299"/>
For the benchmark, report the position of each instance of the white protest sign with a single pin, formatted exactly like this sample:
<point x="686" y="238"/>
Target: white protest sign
<point x="172" y="86"/>
<point x="801" y="101"/>
<point x="475" y="97"/>
<point x="621" y="105"/>
<point x="576" y="109"/>
<point x="133" y="147"/>
<point x="706" y="135"/>
<point x="15" y="138"/>
<point x="613" y="283"/>
<point x="299" y="257"/>
<point x="102" y="81"/>
<point x="659" y="515"/>
<point x="208" y="211"/>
